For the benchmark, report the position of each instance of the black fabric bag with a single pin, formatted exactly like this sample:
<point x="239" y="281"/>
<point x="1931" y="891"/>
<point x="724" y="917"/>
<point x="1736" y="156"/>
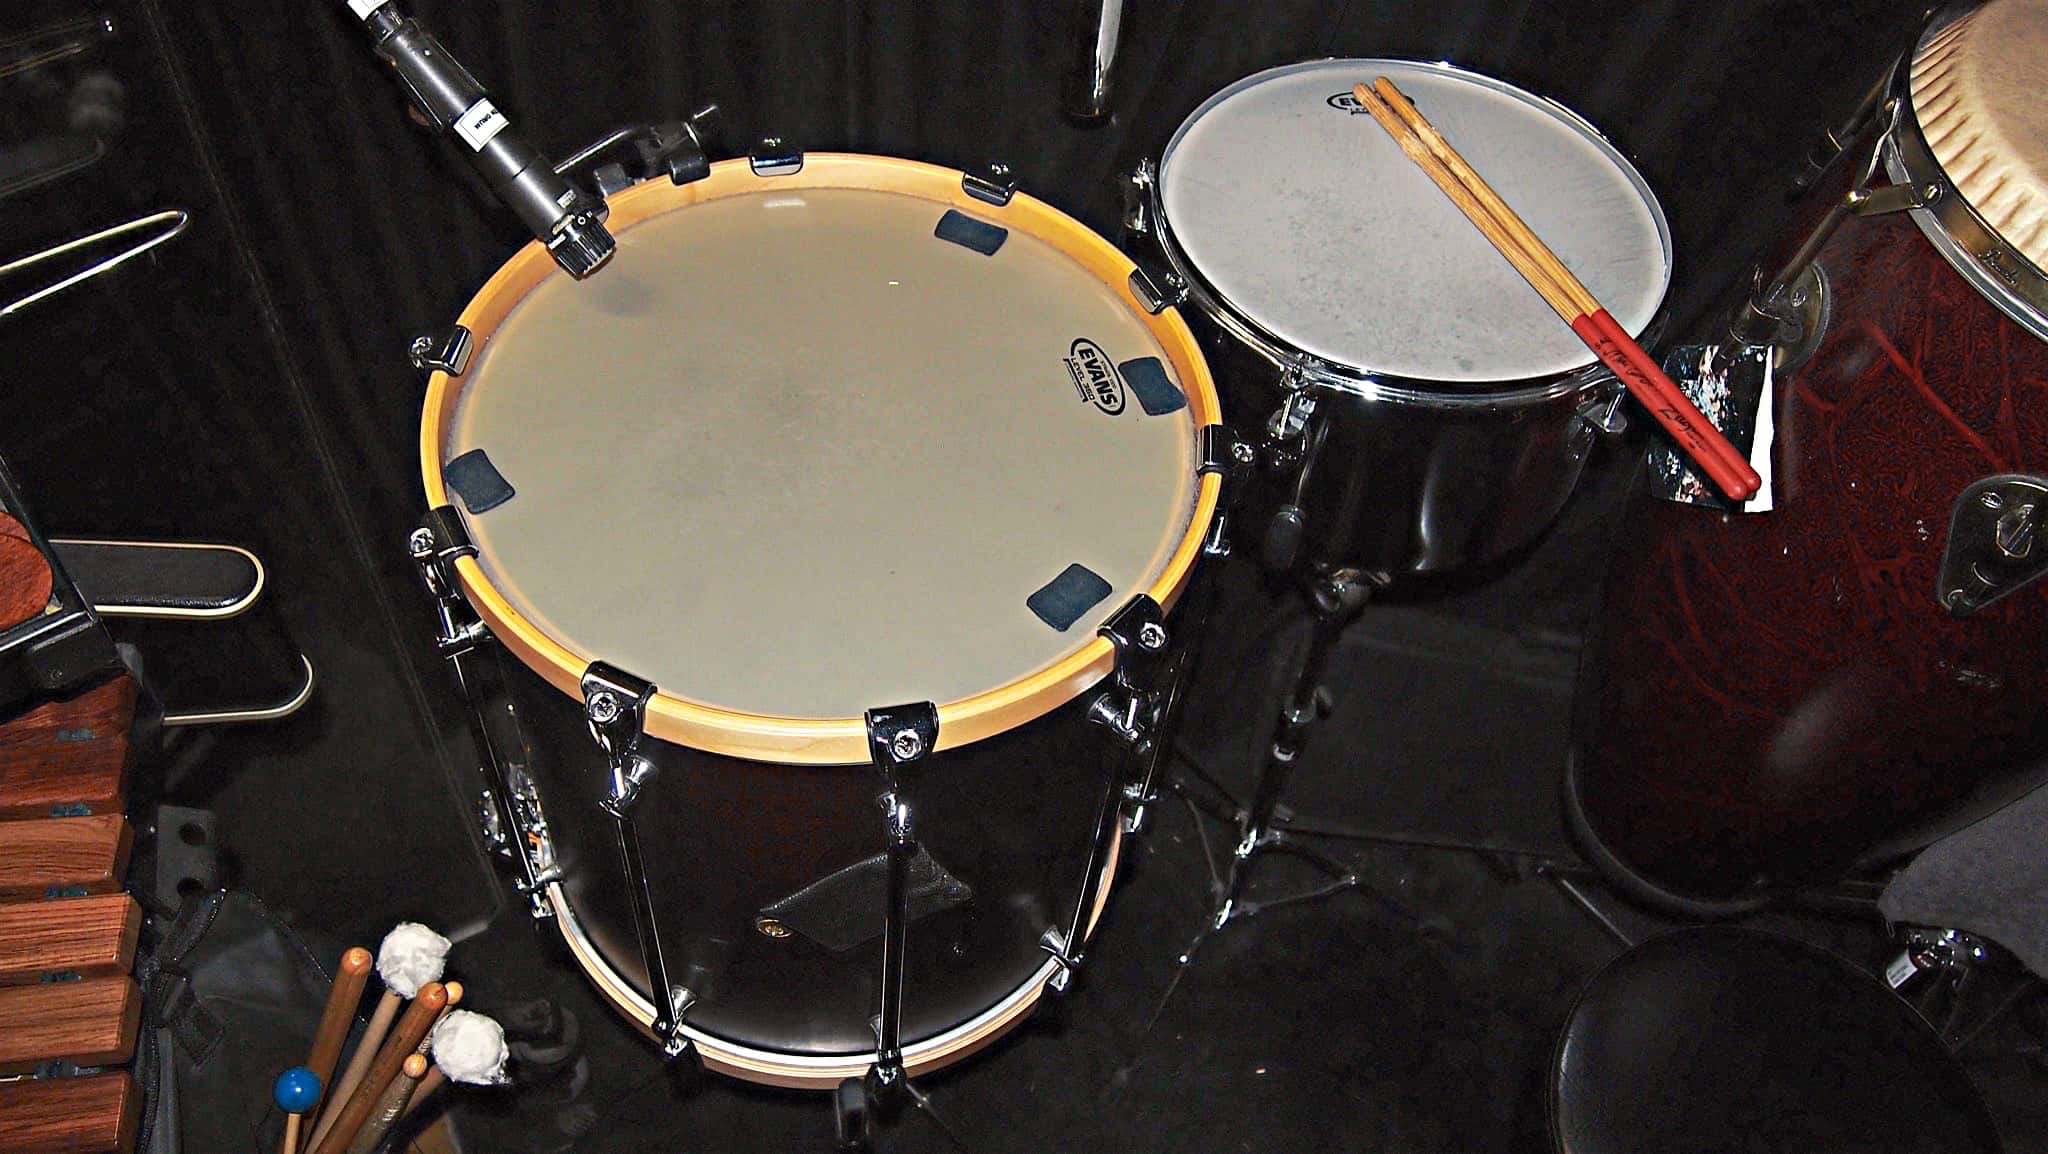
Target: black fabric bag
<point x="231" y="998"/>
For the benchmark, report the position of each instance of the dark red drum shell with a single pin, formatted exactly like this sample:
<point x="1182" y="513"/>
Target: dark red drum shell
<point x="1767" y="696"/>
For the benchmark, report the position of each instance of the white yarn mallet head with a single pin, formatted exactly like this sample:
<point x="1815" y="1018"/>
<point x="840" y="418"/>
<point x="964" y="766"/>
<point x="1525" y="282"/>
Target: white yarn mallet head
<point x="412" y="955"/>
<point x="470" y="1048"/>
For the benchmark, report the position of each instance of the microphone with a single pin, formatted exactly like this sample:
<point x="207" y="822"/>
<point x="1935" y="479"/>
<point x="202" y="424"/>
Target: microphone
<point x="564" y="218"/>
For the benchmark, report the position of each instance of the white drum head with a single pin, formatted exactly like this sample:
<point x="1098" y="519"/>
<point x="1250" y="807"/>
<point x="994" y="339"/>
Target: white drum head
<point x="1306" y="219"/>
<point x="791" y="454"/>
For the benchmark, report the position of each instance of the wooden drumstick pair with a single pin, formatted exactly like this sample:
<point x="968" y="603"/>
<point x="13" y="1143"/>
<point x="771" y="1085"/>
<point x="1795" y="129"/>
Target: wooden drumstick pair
<point x="1561" y="290"/>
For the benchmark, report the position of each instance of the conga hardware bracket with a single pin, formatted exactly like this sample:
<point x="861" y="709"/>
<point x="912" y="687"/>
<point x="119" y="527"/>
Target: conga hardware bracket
<point x="1788" y="309"/>
<point x="1994" y="544"/>
<point x="615" y="707"/>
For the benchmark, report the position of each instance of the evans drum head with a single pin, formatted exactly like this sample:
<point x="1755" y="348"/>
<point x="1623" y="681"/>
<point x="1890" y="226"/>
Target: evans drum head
<point x="1306" y="223"/>
<point x="838" y="465"/>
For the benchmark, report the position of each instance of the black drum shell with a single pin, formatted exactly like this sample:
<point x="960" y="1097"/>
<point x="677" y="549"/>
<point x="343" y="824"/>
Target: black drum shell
<point x="1011" y="816"/>
<point x="1407" y="481"/>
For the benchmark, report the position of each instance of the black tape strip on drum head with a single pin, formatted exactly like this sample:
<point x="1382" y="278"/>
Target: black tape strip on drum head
<point x="1157" y="394"/>
<point x="967" y="232"/>
<point x="477" y="481"/>
<point x="1066" y="597"/>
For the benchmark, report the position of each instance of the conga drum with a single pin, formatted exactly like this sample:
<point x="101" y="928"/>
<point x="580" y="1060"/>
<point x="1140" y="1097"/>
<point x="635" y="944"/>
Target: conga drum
<point x="1422" y="410"/>
<point x="829" y="434"/>
<point x="1771" y="698"/>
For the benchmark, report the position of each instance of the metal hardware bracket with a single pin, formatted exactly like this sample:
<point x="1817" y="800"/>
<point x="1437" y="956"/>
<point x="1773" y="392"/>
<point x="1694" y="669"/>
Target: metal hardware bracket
<point x="615" y="708"/>
<point x="441" y="351"/>
<point x="774" y="157"/>
<point x="898" y="736"/>
<point x="674" y="149"/>
<point x="1994" y="544"/>
<point x="1157" y="294"/>
<point x="992" y="185"/>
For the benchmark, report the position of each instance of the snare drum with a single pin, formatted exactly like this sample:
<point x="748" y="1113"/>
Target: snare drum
<point x="1427" y="409"/>
<point x="827" y="434"/>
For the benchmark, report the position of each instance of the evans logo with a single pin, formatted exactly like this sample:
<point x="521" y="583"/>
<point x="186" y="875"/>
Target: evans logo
<point x="1345" y="102"/>
<point x="1095" y="376"/>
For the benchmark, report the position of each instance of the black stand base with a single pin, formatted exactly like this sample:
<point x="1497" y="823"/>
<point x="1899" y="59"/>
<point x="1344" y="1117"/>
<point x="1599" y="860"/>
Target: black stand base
<point x="1337" y="598"/>
<point x="861" y="1106"/>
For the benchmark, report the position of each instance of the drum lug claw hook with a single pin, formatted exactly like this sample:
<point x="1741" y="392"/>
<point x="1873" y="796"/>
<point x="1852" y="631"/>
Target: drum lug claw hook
<point x="442" y="351"/>
<point x="1066" y="961"/>
<point x="995" y="184"/>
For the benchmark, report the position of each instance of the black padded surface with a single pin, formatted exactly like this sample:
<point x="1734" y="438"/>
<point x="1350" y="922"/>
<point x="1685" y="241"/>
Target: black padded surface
<point x="1724" y="1039"/>
<point x="146" y="576"/>
<point x="1990" y="878"/>
<point x="967" y="232"/>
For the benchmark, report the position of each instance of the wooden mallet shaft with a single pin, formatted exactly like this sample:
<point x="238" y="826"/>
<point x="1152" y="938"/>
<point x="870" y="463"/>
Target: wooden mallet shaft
<point x="358" y="1063"/>
<point x="428" y="1085"/>
<point x="404" y="1041"/>
<point x="349" y="979"/>
<point x="391" y="1106"/>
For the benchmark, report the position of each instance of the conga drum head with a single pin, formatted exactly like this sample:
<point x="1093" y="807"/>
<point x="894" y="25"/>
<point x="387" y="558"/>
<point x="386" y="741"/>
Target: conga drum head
<point x="805" y="448"/>
<point x="1305" y="221"/>
<point x="816" y="442"/>
<point x="1975" y="98"/>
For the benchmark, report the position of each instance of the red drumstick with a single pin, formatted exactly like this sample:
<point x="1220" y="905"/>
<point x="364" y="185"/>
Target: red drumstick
<point x="1516" y="241"/>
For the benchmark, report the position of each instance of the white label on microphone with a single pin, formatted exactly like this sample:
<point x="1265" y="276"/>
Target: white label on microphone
<point x="363" y="8"/>
<point x="479" y="124"/>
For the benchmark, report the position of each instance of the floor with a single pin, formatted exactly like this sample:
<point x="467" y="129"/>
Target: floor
<point x="1416" y="1014"/>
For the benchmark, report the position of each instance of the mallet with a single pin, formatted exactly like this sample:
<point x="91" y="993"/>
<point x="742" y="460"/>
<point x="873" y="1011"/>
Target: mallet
<point x="410" y="956"/>
<point x="405" y="1039"/>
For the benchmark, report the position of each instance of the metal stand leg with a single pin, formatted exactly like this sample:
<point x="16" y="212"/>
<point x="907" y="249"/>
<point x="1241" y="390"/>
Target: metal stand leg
<point x="1337" y="599"/>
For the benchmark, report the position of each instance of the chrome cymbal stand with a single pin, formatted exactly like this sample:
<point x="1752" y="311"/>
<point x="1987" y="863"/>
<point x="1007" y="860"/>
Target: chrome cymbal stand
<point x="1337" y="596"/>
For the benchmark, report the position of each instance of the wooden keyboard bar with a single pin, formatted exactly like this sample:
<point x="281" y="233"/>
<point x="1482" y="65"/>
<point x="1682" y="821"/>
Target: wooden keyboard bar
<point x="91" y="1114"/>
<point x="62" y="855"/>
<point x="24" y="574"/>
<point x="68" y="753"/>
<point x="89" y="1023"/>
<point x="89" y="937"/>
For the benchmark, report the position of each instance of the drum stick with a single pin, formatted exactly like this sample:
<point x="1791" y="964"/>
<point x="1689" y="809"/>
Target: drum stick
<point x="405" y="1039"/>
<point x="1564" y="292"/>
<point x="349" y="979"/>
<point x="391" y="1106"/>
<point x="409" y="957"/>
<point x="428" y="1085"/>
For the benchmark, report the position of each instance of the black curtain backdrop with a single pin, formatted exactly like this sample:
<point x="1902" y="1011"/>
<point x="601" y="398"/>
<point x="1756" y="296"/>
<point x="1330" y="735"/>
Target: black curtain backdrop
<point x="249" y="381"/>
